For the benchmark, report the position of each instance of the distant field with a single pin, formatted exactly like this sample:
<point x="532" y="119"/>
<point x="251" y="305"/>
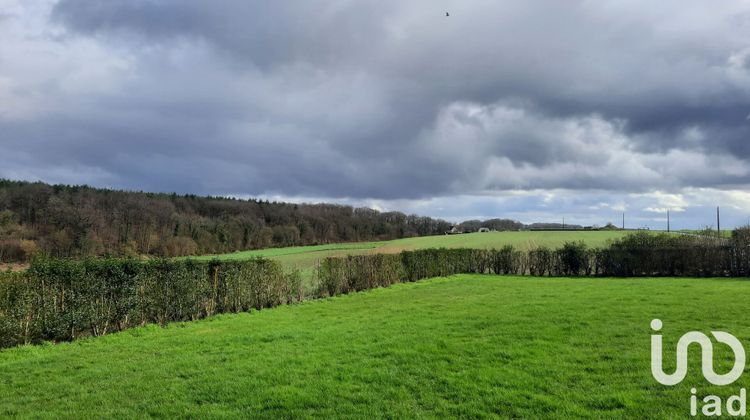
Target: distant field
<point x="306" y="258"/>
<point x="724" y="232"/>
<point x="465" y="346"/>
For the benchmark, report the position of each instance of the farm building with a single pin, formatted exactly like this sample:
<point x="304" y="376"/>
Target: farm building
<point x="454" y="230"/>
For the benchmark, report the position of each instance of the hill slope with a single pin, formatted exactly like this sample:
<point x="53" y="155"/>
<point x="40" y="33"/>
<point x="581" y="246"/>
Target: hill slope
<point x="306" y="258"/>
<point x="75" y="221"/>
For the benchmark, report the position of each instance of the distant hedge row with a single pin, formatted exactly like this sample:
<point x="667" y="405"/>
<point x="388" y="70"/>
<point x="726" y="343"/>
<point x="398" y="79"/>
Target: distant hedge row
<point x="64" y="299"/>
<point x="635" y="255"/>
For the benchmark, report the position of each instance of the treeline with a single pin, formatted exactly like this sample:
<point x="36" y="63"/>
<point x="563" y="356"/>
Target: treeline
<point x="491" y="224"/>
<point x="79" y="221"/>
<point x="60" y="300"/>
<point x="514" y="225"/>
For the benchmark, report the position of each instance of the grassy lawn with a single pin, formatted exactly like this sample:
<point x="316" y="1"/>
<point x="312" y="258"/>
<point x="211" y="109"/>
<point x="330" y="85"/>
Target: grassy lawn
<point x="467" y="345"/>
<point x="305" y="258"/>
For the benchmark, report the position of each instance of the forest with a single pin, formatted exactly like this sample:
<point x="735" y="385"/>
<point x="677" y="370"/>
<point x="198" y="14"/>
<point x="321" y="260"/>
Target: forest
<point x="78" y="221"/>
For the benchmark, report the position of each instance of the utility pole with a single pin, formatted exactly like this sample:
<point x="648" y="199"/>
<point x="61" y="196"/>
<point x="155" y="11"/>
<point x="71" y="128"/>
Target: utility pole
<point x="623" y="220"/>
<point x="563" y="223"/>
<point x="718" y="222"/>
<point x="667" y="220"/>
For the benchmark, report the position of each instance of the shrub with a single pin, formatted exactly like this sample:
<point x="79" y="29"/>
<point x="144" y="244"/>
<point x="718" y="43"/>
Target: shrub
<point x="574" y="259"/>
<point x="178" y="246"/>
<point x="358" y="272"/>
<point x="58" y="299"/>
<point x="10" y="250"/>
<point x="741" y="245"/>
<point x="540" y="261"/>
<point x="507" y="261"/>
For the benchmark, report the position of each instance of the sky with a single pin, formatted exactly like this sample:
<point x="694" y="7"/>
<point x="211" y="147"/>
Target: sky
<point x="513" y="109"/>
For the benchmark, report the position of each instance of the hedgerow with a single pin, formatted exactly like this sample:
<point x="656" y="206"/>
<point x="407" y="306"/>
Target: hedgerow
<point x="358" y="272"/>
<point x="57" y="299"/>
<point x="640" y="254"/>
<point x="61" y="300"/>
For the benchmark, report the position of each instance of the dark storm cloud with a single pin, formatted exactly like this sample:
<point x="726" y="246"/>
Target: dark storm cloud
<point x="379" y="99"/>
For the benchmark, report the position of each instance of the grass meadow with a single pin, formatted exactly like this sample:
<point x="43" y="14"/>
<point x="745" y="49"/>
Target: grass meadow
<point x="306" y="258"/>
<point x="467" y="345"/>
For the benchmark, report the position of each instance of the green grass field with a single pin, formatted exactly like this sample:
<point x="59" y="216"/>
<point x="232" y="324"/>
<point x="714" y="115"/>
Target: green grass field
<point x="305" y="258"/>
<point x="468" y="346"/>
<point x="725" y="233"/>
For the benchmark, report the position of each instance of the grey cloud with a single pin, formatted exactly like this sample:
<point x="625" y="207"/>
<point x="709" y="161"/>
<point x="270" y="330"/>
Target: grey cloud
<point x="265" y="33"/>
<point x="385" y="99"/>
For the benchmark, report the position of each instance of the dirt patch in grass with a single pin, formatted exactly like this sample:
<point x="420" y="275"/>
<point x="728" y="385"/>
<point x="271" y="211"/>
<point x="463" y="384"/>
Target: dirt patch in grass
<point x="13" y="267"/>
